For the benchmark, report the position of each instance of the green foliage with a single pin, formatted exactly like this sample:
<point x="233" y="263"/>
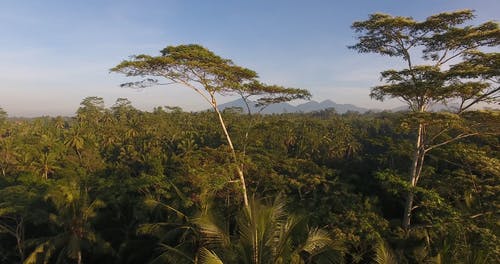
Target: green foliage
<point x="120" y="185"/>
<point x="135" y="187"/>
<point x="193" y="65"/>
<point x="206" y="73"/>
<point x="455" y="67"/>
<point x="266" y="234"/>
<point x="440" y="40"/>
<point x="384" y="254"/>
<point x="3" y="116"/>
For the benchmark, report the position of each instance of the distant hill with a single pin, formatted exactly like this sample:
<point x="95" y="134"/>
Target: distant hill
<point x="313" y="106"/>
<point x="435" y="108"/>
<point x="310" y="106"/>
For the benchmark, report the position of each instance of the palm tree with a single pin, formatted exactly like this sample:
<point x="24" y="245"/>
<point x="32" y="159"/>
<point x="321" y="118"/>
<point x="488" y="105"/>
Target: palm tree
<point x="46" y="156"/>
<point x="74" y="212"/>
<point x="266" y="235"/>
<point x="75" y="141"/>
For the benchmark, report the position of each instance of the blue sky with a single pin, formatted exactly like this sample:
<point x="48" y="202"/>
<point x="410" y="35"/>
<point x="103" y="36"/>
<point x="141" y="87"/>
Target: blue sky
<point x="55" y="53"/>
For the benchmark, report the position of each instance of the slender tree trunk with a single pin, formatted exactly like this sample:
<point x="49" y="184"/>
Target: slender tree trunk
<point x="233" y="152"/>
<point x="415" y="171"/>
<point x="407" y="214"/>
<point x="45" y="172"/>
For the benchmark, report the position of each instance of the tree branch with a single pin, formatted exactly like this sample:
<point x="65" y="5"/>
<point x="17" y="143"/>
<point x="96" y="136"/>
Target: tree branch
<point x="450" y="140"/>
<point x="477" y="100"/>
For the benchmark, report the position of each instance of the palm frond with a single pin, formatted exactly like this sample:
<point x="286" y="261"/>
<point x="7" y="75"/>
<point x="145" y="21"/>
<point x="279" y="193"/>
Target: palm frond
<point x="152" y="203"/>
<point x="154" y="228"/>
<point x="384" y="254"/>
<point x="478" y="256"/>
<point x="318" y="240"/>
<point x="37" y="253"/>
<point x="172" y="255"/>
<point x="320" y="247"/>
<point x="208" y="257"/>
<point x="212" y="233"/>
<point x="90" y="211"/>
<point x="283" y="231"/>
<point x="45" y="250"/>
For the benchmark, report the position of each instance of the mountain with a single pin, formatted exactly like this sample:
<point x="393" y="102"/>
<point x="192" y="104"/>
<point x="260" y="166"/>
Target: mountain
<point x="434" y="108"/>
<point x="310" y="106"/>
<point x="326" y="104"/>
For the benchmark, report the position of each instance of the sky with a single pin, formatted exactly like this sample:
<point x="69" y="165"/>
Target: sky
<point x="53" y="54"/>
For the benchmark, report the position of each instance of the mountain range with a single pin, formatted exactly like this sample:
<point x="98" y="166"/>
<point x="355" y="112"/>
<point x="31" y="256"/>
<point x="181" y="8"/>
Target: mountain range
<point x="310" y="106"/>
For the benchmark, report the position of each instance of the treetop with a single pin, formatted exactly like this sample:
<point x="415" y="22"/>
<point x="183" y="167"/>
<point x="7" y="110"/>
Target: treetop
<point x="455" y="62"/>
<point x="199" y="68"/>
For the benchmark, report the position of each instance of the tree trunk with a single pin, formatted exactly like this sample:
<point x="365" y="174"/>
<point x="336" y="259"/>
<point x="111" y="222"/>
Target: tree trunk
<point x="407" y="214"/>
<point x="233" y="152"/>
<point x="415" y="171"/>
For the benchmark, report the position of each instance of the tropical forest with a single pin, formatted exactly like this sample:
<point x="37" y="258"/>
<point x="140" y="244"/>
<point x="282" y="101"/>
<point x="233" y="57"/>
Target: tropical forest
<point x="117" y="184"/>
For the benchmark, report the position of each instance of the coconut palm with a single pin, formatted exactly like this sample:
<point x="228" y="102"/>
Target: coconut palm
<point x="74" y="212"/>
<point x="46" y="156"/>
<point x="75" y="141"/>
<point x="267" y="234"/>
<point x="177" y="234"/>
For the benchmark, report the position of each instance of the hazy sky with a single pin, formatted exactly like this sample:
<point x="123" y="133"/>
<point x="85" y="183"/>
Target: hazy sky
<point x="55" y="53"/>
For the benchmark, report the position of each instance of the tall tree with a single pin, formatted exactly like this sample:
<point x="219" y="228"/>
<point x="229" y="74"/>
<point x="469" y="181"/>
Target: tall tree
<point x="453" y="67"/>
<point x="208" y="74"/>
